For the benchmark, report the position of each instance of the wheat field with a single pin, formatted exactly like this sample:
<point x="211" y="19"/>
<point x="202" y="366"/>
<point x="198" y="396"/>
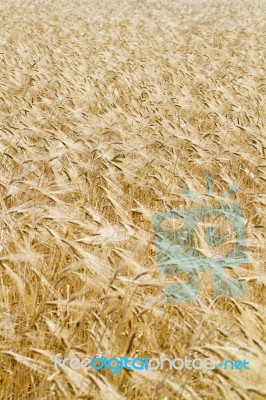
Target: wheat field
<point x="107" y="111"/>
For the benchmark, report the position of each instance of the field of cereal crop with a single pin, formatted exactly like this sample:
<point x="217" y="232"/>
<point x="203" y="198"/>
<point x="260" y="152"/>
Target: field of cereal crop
<point x="108" y="109"/>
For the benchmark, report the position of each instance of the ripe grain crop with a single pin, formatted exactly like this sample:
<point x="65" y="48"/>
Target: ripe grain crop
<point x="107" y="110"/>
